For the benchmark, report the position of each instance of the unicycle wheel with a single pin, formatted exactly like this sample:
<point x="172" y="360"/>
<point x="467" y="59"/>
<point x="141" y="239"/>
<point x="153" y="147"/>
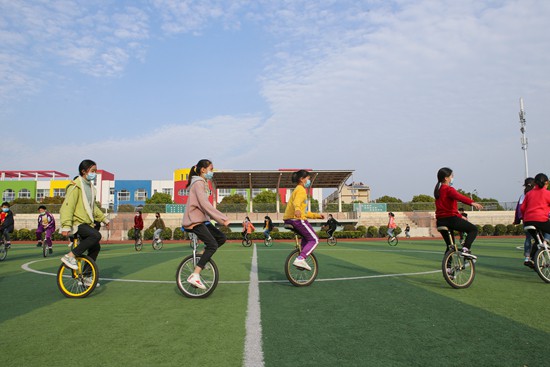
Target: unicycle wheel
<point x="209" y="277"/>
<point x="458" y="271"/>
<point x="301" y="277"/>
<point x="78" y="283"/>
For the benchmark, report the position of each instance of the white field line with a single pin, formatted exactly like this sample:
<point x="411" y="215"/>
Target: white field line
<point x="253" y="352"/>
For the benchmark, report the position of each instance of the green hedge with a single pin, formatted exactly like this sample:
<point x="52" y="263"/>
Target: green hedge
<point x="25" y="234"/>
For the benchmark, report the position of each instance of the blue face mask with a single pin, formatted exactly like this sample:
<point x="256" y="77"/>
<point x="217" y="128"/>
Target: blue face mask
<point x="209" y="175"/>
<point x="91" y="176"/>
<point x="5" y="210"/>
<point x="307" y="184"/>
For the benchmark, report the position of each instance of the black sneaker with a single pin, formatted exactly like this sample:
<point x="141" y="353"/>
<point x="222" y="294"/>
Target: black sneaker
<point x="39" y="244"/>
<point x="50" y="250"/>
<point x="8" y="245"/>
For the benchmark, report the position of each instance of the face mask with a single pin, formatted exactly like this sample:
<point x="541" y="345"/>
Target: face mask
<point x="91" y="176"/>
<point x="209" y="175"/>
<point x="307" y="184"/>
<point x="42" y="213"/>
<point x="5" y="210"/>
<point x="452" y="179"/>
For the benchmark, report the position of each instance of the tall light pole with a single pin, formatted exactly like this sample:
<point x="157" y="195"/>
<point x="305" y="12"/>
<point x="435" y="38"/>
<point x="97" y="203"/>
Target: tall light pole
<point x="523" y="137"/>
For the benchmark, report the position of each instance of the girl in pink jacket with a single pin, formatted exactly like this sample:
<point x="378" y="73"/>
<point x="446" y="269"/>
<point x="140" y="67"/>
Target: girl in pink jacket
<point x="197" y="216"/>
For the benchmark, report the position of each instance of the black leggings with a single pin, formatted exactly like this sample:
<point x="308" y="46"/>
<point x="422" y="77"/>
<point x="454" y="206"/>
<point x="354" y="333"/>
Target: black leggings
<point x="461" y="225"/>
<point x="543" y="226"/>
<point x="212" y="238"/>
<point x="89" y="241"/>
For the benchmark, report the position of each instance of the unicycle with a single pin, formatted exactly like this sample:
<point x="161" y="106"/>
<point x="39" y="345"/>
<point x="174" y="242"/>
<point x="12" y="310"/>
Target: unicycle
<point x="138" y="243"/>
<point x="157" y="243"/>
<point x="542" y="256"/>
<point x="458" y="270"/>
<point x="3" y="251"/>
<point x="268" y="242"/>
<point x="247" y="242"/>
<point x="393" y="240"/>
<point x="81" y="282"/>
<point x="209" y="275"/>
<point x="332" y="241"/>
<point x="298" y="276"/>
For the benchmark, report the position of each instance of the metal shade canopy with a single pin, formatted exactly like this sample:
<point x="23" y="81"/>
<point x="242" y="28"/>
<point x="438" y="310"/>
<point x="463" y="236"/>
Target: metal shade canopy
<point x="277" y="179"/>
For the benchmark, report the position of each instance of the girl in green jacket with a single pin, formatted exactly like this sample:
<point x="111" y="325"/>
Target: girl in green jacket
<point x="78" y="213"/>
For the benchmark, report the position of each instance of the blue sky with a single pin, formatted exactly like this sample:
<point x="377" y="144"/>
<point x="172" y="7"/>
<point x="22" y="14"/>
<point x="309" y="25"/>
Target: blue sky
<point x="392" y="89"/>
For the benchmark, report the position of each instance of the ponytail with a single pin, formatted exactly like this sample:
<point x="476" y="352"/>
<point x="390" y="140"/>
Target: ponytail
<point x="196" y="170"/>
<point x="442" y="174"/>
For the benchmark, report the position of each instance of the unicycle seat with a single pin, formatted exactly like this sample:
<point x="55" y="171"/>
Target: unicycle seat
<point x="443" y="229"/>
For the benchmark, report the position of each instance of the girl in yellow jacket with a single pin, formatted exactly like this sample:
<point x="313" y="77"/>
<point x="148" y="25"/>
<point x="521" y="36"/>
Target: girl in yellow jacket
<point x="295" y="215"/>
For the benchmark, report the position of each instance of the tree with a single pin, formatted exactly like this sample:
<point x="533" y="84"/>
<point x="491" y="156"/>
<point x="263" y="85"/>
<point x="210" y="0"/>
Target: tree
<point x="394" y="204"/>
<point x="422" y="202"/>
<point x="388" y="199"/>
<point x="233" y="203"/>
<point x="159" y="198"/>
<point x="266" y="196"/>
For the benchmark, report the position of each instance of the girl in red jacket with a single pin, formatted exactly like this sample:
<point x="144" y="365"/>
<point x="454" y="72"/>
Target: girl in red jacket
<point x="536" y="207"/>
<point x="446" y="211"/>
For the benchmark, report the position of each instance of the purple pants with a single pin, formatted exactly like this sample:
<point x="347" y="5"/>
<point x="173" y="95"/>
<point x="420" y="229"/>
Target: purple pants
<point x="309" y="237"/>
<point x="49" y="233"/>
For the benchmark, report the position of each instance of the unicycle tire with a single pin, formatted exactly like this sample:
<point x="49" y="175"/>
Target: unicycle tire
<point x="247" y="243"/>
<point x="268" y="242"/>
<point x="157" y="245"/>
<point x="459" y="271"/>
<point x="78" y="283"/>
<point x="3" y="252"/>
<point x="332" y="241"/>
<point x="209" y="277"/>
<point x="393" y="241"/>
<point x="45" y="251"/>
<point x="301" y="277"/>
<point x="138" y="245"/>
<point x="542" y="264"/>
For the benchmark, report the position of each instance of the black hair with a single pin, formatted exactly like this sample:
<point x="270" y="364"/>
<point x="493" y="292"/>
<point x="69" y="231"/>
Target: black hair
<point x="85" y="165"/>
<point x="298" y="175"/>
<point x="540" y="180"/>
<point x="139" y="211"/>
<point x="42" y="207"/>
<point x="442" y="174"/>
<point x="196" y="169"/>
<point x="248" y="219"/>
<point x="529" y="184"/>
<point x="157" y="213"/>
<point x="5" y="203"/>
<point x="390" y="213"/>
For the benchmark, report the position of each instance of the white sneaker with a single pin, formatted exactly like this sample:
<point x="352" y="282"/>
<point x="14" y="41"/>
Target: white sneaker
<point x="269" y="238"/>
<point x="466" y="253"/>
<point x="301" y="263"/>
<point x="70" y="262"/>
<point x="195" y="281"/>
<point x="88" y="282"/>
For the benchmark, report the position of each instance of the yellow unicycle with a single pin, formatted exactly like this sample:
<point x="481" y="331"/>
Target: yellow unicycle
<point x="81" y="282"/>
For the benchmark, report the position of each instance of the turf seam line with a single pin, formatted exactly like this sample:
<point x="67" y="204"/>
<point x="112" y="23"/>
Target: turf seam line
<point x="253" y="352"/>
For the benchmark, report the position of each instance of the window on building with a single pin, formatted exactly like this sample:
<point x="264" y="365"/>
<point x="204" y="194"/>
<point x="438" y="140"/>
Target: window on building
<point x="42" y="193"/>
<point x="112" y="191"/>
<point x="8" y="195"/>
<point x="59" y="192"/>
<point x="140" y="195"/>
<point x="242" y="192"/>
<point x="183" y="192"/>
<point x="24" y="194"/>
<point x="224" y="192"/>
<point x="168" y="191"/>
<point x="255" y="192"/>
<point x="124" y="195"/>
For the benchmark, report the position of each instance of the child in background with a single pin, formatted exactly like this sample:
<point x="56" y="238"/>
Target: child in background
<point x="46" y="223"/>
<point x="7" y="224"/>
